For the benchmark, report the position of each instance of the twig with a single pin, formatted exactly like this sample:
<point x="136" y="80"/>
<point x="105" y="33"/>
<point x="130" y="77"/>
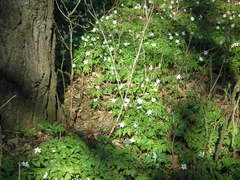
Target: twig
<point x="7" y="101"/>
<point x="69" y="46"/>
<point x="62" y="11"/>
<point x="148" y="15"/>
<point x="214" y="84"/>
<point x="227" y="121"/>
<point x="19" y="171"/>
<point x="74" y="9"/>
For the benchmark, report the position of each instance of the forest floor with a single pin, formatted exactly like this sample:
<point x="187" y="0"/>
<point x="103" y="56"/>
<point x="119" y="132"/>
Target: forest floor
<point x="151" y="98"/>
<point x="86" y="120"/>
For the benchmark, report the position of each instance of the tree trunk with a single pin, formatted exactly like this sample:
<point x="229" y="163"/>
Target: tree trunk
<point x="27" y="64"/>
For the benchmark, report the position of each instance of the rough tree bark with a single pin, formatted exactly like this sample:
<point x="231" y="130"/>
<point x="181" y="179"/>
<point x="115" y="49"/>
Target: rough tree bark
<point x="27" y="68"/>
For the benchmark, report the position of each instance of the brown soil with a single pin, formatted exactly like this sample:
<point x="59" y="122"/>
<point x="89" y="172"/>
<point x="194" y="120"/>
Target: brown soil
<point x="84" y="119"/>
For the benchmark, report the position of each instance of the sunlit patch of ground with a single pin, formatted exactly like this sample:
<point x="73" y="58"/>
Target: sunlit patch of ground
<point x="86" y="119"/>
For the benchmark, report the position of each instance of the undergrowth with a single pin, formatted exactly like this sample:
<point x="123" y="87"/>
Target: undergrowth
<point x="164" y="70"/>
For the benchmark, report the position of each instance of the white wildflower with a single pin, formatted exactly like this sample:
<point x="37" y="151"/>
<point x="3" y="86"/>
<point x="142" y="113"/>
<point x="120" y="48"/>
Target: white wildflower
<point x="73" y="65"/>
<point x="192" y="18"/>
<point x="135" y="125"/>
<point x="121" y="86"/>
<point x="154" y="44"/>
<point x="94" y="30"/>
<point x="126" y="44"/>
<point x="205" y="53"/>
<point x="93" y="39"/>
<point x="235" y="45"/>
<point x="221" y="42"/>
<point x="178" y="77"/>
<point x="45" y="175"/>
<point x="37" y="150"/>
<point x="109" y="59"/>
<point x="201" y="154"/>
<point x="127" y="100"/>
<point x="125" y="104"/>
<point x="149" y="112"/>
<point x="153" y="99"/>
<point x="97" y="87"/>
<point x="184" y="166"/>
<point x="111" y="49"/>
<point x="121" y="124"/>
<point x="137" y="6"/>
<point x="139" y="101"/>
<point x="151" y="34"/>
<point x="151" y="68"/>
<point x="105" y="42"/>
<point x="114" y="22"/>
<point x="85" y="62"/>
<point x="158" y="81"/>
<point x="25" y="164"/>
<point x="53" y="150"/>
<point x="84" y="39"/>
<point x="154" y="156"/>
<point x="88" y="53"/>
<point x="132" y="140"/>
<point x="201" y="59"/>
<point x="114" y="100"/>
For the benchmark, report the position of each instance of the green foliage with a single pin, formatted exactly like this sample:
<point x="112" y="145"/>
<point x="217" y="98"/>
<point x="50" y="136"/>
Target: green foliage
<point x="197" y="123"/>
<point x="70" y="158"/>
<point x="141" y="67"/>
<point x="54" y="128"/>
<point x="181" y="38"/>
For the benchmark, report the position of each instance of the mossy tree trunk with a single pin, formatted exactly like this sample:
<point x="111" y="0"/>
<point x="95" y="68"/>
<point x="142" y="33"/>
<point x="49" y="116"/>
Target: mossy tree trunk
<point x="27" y="67"/>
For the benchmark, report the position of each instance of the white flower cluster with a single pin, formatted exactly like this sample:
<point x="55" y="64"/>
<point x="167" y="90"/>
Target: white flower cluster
<point x="237" y="44"/>
<point x="184" y="166"/>
<point x="25" y="164"/>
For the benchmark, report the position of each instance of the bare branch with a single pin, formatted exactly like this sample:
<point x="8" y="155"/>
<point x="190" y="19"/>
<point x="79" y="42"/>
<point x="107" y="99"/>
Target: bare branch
<point x="62" y="11"/>
<point x="2" y="106"/>
<point x="74" y="9"/>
